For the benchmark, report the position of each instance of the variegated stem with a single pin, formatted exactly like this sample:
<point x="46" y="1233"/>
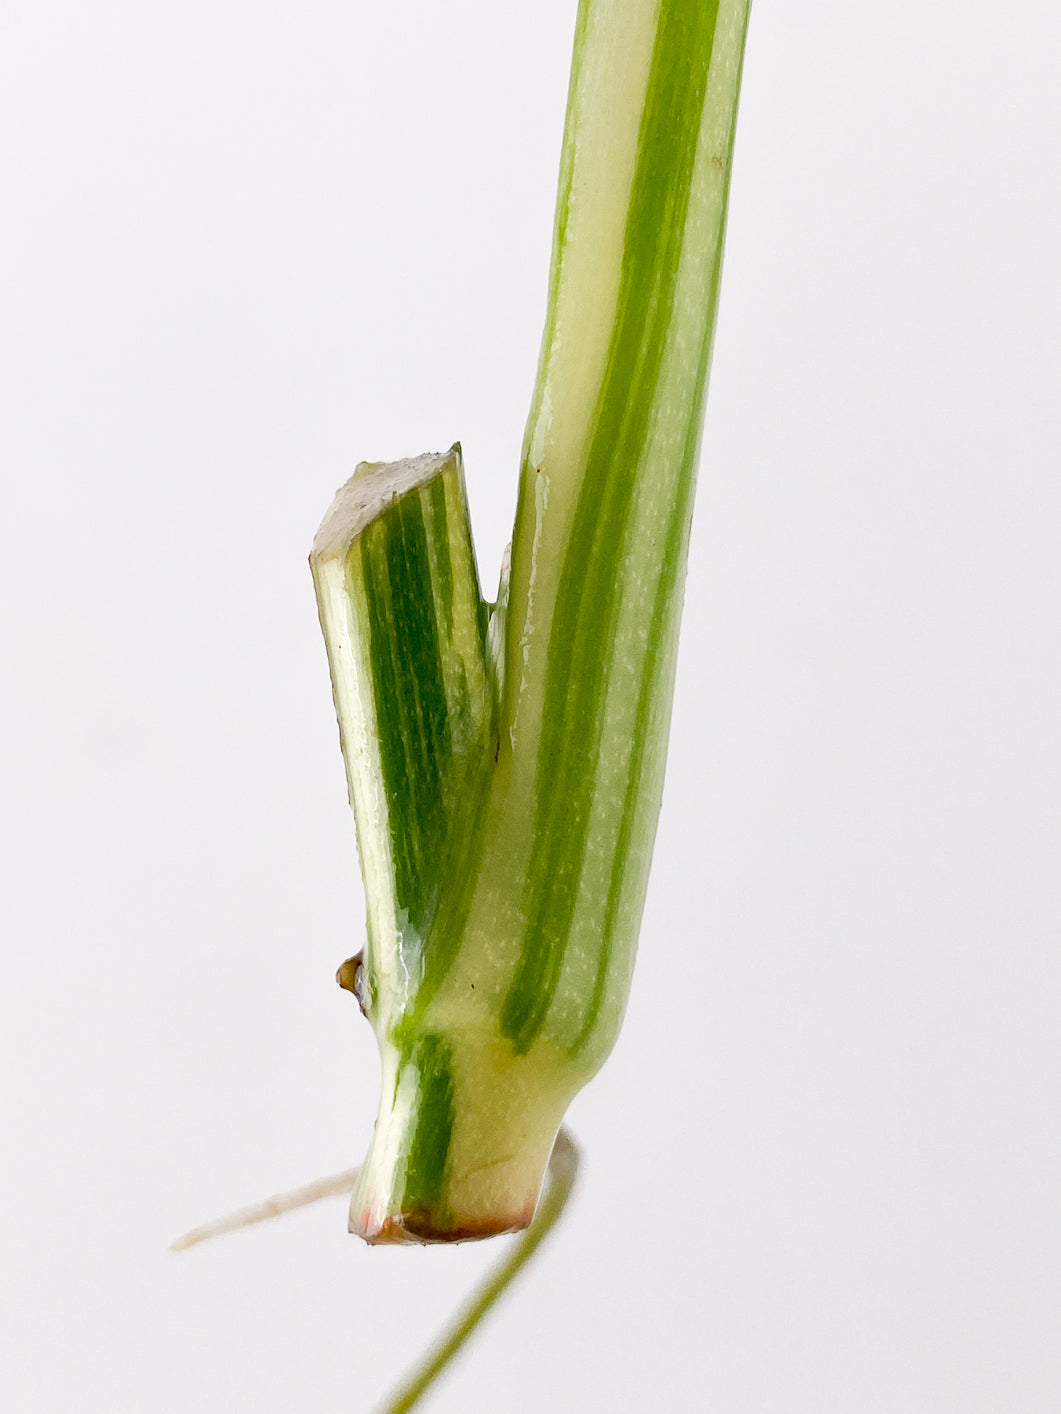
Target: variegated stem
<point x="506" y="770"/>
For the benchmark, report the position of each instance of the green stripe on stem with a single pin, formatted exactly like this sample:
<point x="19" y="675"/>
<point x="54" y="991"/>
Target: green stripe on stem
<point x="402" y="616"/>
<point x="507" y="792"/>
<point x="582" y="633"/>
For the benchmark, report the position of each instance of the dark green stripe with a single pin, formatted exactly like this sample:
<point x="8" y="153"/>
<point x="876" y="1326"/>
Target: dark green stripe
<point x="412" y="719"/>
<point x="588" y="594"/>
<point x="431" y="1063"/>
<point x="394" y="760"/>
<point x="460" y="870"/>
<point x="414" y="610"/>
<point x="440" y="541"/>
<point x="418" y="725"/>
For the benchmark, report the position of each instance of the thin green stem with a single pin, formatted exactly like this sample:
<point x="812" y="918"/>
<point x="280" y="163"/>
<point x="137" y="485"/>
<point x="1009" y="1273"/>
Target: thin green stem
<point x="563" y="1170"/>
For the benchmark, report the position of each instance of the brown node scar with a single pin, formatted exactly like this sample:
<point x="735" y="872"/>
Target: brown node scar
<point x="351" y="977"/>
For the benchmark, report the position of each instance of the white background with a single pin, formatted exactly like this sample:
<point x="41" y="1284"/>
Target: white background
<point x="243" y="247"/>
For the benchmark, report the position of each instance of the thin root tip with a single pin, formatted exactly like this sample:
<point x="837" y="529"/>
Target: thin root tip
<point x="338" y="1183"/>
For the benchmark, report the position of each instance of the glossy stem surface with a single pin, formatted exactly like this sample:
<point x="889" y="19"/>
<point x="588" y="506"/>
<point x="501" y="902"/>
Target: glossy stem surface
<point x="506" y="762"/>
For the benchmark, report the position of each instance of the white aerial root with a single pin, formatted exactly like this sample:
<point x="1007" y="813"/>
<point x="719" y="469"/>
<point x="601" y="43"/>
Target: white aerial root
<point x="333" y="1187"/>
